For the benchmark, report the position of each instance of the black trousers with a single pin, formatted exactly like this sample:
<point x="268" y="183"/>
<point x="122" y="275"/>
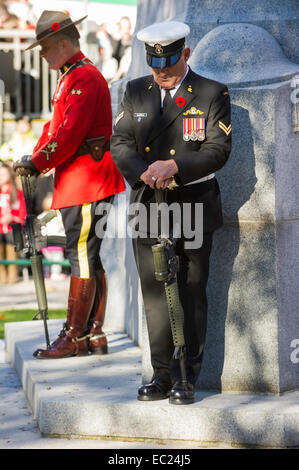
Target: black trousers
<point x="192" y="281"/>
<point x="83" y="244"/>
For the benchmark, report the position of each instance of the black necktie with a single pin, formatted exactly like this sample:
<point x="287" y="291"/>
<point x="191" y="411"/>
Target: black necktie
<point x="167" y="100"/>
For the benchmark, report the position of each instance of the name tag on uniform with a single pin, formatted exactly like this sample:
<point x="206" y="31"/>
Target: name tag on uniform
<point x="139" y="116"/>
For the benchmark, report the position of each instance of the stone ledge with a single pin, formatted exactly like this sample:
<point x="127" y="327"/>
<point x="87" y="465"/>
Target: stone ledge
<point x="96" y="397"/>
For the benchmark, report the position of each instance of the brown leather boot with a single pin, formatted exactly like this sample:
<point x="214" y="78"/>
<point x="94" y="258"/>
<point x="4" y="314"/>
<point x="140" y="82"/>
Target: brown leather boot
<point x="97" y="338"/>
<point x="71" y="340"/>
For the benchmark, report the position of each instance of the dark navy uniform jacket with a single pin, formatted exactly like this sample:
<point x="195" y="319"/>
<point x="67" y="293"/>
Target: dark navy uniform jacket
<point x="142" y="135"/>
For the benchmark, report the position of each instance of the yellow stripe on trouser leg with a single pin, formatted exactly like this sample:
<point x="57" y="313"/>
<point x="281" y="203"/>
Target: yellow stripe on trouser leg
<point x="82" y="243"/>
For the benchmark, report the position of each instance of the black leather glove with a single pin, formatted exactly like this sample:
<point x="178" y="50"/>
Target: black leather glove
<point x="24" y="166"/>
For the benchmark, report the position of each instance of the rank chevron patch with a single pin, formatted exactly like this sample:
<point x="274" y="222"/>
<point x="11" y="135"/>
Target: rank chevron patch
<point x="227" y="130"/>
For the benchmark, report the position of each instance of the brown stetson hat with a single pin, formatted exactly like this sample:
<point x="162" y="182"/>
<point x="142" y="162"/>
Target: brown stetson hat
<point x="51" y="22"/>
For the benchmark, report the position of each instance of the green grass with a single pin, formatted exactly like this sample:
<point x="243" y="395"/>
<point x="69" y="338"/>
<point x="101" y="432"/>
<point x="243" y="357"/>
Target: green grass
<point x="25" y="315"/>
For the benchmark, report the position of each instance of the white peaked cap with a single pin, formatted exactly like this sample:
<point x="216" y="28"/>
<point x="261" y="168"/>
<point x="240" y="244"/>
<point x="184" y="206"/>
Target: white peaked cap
<point x="164" y="33"/>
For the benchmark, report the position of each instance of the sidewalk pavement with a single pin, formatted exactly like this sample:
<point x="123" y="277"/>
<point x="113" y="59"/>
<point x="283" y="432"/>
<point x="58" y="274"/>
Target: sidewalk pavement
<point x="22" y="294"/>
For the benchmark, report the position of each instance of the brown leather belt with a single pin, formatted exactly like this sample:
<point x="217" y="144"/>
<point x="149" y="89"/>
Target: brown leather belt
<point x="96" y="147"/>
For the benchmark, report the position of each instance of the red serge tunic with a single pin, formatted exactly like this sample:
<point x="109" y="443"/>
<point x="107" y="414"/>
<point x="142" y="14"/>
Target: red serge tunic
<point x="81" y="110"/>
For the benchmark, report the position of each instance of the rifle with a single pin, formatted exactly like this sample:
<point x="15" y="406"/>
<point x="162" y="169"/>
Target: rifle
<point x="30" y="239"/>
<point x="166" y="268"/>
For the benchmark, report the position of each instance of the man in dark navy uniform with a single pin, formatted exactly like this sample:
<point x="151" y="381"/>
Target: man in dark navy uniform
<point x="173" y="130"/>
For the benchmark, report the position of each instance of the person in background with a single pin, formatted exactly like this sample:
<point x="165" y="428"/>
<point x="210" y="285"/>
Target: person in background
<point x="7" y="20"/>
<point x="21" y="142"/>
<point x="122" y="50"/>
<point x="24" y="10"/>
<point x="12" y="210"/>
<point x="121" y="38"/>
<point x="107" y="64"/>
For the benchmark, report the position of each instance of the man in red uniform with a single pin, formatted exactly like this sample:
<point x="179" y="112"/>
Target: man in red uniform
<point x="85" y="176"/>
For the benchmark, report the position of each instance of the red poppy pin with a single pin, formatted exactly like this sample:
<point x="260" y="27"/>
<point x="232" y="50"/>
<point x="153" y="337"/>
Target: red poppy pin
<point x="55" y="26"/>
<point x="180" y="101"/>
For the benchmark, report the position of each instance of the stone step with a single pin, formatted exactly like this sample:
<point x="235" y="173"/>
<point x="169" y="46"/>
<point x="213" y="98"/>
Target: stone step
<point x="95" y="396"/>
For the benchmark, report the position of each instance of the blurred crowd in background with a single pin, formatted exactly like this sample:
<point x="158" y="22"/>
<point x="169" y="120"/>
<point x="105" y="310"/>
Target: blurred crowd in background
<point x="13" y="208"/>
<point x="17" y="14"/>
<point x="114" y="49"/>
<point x="109" y="47"/>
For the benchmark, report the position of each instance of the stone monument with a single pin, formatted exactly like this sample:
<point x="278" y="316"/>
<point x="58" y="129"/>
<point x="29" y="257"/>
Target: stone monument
<point x="253" y="291"/>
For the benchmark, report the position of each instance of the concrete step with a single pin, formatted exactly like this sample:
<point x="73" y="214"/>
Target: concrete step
<point x="95" y="396"/>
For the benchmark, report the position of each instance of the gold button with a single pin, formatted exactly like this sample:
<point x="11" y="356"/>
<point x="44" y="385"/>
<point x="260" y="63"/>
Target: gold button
<point x="172" y="152"/>
<point x="147" y="149"/>
<point x="96" y="147"/>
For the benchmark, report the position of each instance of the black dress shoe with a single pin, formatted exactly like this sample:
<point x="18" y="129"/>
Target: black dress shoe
<point x="180" y="395"/>
<point x="156" y="390"/>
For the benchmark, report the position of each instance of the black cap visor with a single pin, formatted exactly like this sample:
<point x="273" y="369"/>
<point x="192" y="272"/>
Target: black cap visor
<point x="158" y="62"/>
